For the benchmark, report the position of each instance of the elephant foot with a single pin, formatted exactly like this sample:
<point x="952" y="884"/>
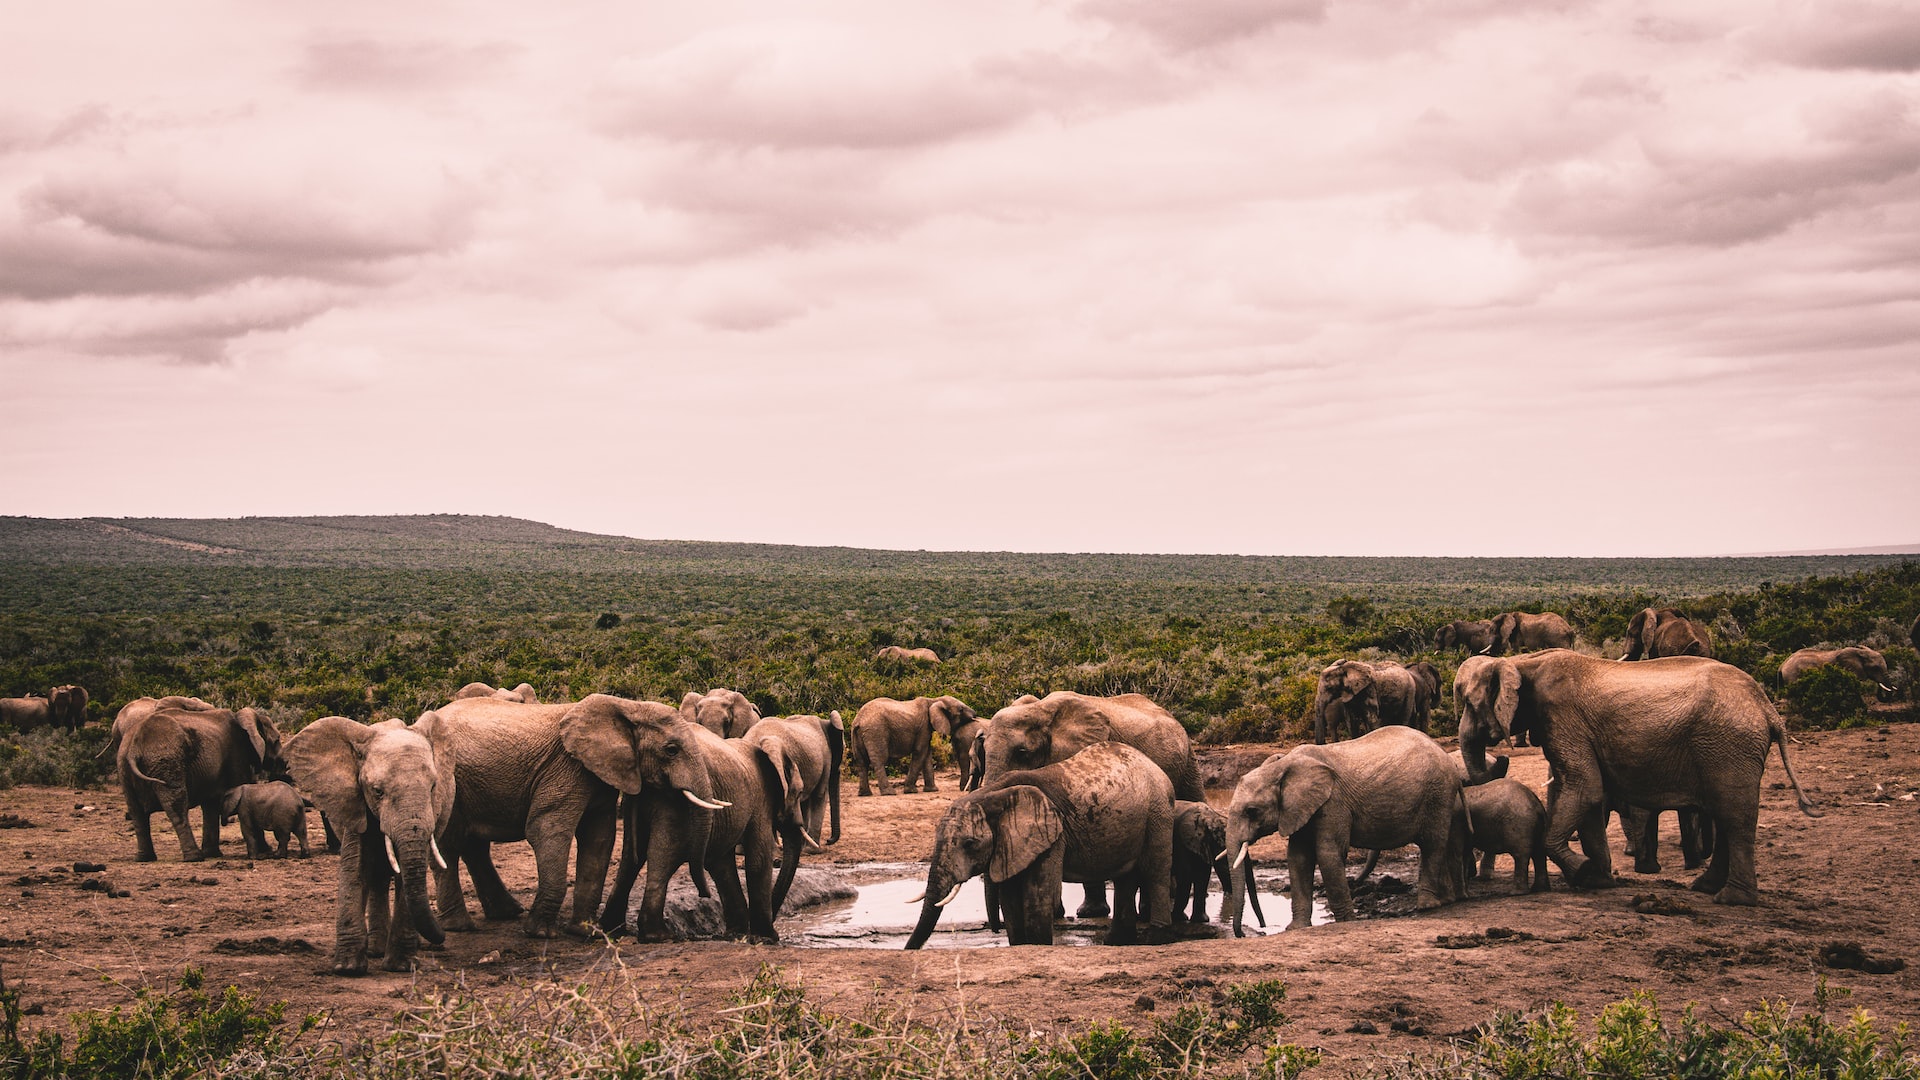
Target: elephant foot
<point x="1737" y="897"/>
<point x="581" y="930"/>
<point x="614" y="933"/>
<point x="145" y="856"/>
<point x="1591" y="875"/>
<point x="1708" y="883"/>
<point x="1646" y="866"/>
<point x="1427" y="902"/>
<point x="192" y="856"/>
<point x="459" y="923"/>
<point x="212" y="852"/>
<point x="1695" y="862"/>
<point x="505" y="909"/>
<point x="1161" y="935"/>
<point x="397" y="963"/>
<point x="1297" y="924"/>
<point x="542" y="930"/>
<point x="1092" y="910"/>
<point x="356" y="966"/>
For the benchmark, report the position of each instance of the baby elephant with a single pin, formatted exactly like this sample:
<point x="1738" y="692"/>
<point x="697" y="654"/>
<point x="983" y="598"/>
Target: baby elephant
<point x="272" y="807"/>
<point x="1506" y="818"/>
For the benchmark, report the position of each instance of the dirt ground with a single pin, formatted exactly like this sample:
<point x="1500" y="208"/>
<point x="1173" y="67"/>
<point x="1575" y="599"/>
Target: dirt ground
<point x="268" y="927"/>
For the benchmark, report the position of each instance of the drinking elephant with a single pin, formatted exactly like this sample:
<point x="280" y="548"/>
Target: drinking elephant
<point x="1104" y="814"/>
<point x="1386" y="789"/>
<point x="1520" y="631"/>
<point x="726" y="713"/>
<point x="273" y="807"/>
<point x="26" y="713"/>
<point x="1864" y="664"/>
<point x="171" y="759"/>
<point x="68" y="706"/>
<point x="806" y="754"/>
<point x="898" y="655"/>
<point x="1657" y="632"/>
<point x="1368" y="695"/>
<point x="1473" y="635"/>
<point x="1681" y="731"/>
<point x="1505" y="817"/>
<point x="885" y="729"/>
<point x="389" y="789"/>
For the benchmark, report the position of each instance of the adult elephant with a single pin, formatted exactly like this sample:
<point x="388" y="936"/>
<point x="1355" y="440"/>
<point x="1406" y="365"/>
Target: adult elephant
<point x="1365" y="696"/>
<point x="172" y="759"/>
<point x="1864" y="663"/>
<point x="26" y="713"/>
<point x="389" y="790"/>
<point x="898" y="655"/>
<point x="68" y="706"/>
<point x="806" y="753"/>
<point x="726" y="713"/>
<point x="1104" y="814"/>
<point x="885" y="729"/>
<point x="1520" y="631"/>
<point x="1473" y="635"/>
<point x="1657" y="632"/>
<point x="139" y="709"/>
<point x="1388" y="788"/>
<point x="524" y="693"/>
<point x="1675" y="732"/>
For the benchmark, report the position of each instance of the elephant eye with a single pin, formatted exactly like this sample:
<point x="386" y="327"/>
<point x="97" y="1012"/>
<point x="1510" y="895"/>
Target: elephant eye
<point x="672" y="749"/>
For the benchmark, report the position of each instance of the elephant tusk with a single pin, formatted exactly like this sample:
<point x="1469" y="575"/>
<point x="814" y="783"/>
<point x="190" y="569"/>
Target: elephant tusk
<point x="1242" y="857"/>
<point x="919" y="896"/>
<point x="808" y="837"/>
<point x="392" y="858"/>
<point x="1623" y="656"/>
<point x="439" y="860"/>
<point x="703" y="803"/>
<point x="948" y="899"/>
<point x="1887" y="688"/>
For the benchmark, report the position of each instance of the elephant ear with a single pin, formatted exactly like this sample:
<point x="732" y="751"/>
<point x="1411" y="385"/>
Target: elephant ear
<point x="324" y="758"/>
<point x="438" y="731"/>
<point x="250" y="722"/>
<point x="1077" y="722"/>
<point x="1506" y="699"/>
<point x="687" y="703"/>
<point x="1025" y="825"/>
<point x="230" y="805"/>
<point x="780" y="775"/>
<point x="1190" y="828"/>
<point x="834" y="721"/>
<point x="1305" y="786"/>
<point x="597" y="734"/>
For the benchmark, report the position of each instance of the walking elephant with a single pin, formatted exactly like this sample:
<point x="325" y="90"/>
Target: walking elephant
<point x="726" y="713"/>
<point x="68" y="706"/>
<point x="1104" y="814"/>
<point x="1864" y="664"/>
<point x="171" y="759"/>
<point x="1368" y="695"/>
<point x="1681" y="731"/>
<point x="1520" y="631"/>
<point x="26" y="713"/>
<point x="389" y="790"/>
<point x="1657" y="632"/>
<point x="806" y="754"/>
<point x="1473" y="635"/>
<point x="1386" y="789"/>
<point x="885" y="729"/>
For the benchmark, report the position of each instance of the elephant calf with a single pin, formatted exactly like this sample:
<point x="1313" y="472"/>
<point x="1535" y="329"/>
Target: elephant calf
<point x="1505" y="817"/>
<point x="271" y="807"/>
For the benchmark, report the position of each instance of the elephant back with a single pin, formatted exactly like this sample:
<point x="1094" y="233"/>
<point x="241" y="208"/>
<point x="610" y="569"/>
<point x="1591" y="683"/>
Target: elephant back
<point x="1138" y="722"/>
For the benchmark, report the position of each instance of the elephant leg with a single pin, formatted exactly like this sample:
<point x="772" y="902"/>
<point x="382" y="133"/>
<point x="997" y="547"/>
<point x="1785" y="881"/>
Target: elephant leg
<point x="349" y="912"/>
<point x="176" y="810"/>
<point x="1300" y="849"/>
<point x="1647" y="824"/>
<point x="1733" y="850"/>
<point x="375" y="874"/>
<point x="1574" y="804"/>
<point x="1485" y="871"/>
<point x="1093" y="901"/>
<point x="1125" y="928"/>
<point x="664" y="856"/>
<point x="863" y="770"/>
<point x="1538" y="856"/>
<point x="496" y="903"/>
<point x="758" y="856"/>
<point x="552" y="842"/>
<point x="210" y="828"/>
<point x="922" y="766"/>
<point x="790" y="844"/>
<point x="594" y="850"/>
<point x="1696" y="838"/>
<point x="994" y="922"/>
<point x="142" y="835"/>
<point x="1330" y="852"/>
<point x="613" y="917"/>
<point x="733" y="899"/>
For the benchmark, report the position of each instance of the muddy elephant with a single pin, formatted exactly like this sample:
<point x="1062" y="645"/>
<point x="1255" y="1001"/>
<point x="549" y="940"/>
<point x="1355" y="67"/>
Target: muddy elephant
<point x="1505" y="817"/>
<point x="1386" y="789"/>
<point x="1473" y="635"/>
<point x="1520" y="631"/>
<point x="389" y="790"/>
<point x="1366" y="695"/>
<point x="898" y="655"/>
<point x="1681" y="731"/>
<point x="172" y="759"/>
<point x="68" y="705"/>
<point x="806" y="753"/>
<point x="726" y="713"/>
<point x="273" y="807"/>
<point x="1657" y="632"/>
<point x="1864" y="664"/>
<point x="885" y="729"/>
<point x="666" y="826"/>
<point x="1104" y="814"/>
<point x="26" y="713"/>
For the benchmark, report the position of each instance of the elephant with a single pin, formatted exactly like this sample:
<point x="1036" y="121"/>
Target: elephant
<point x="898" y="655"/>
<point x="1473" y="635"/>
<point x="384" y="786"/>
<point x="1865" y="664"/>
<point x="1657" y="632"/>
<point x="170" y="759"/>
<point x="1680" y="731"/>
<point x="1426" y="691"/>
<point x="139" y="709"/>
<point x="806" y="754"/>
<point x="885" y="729"/>
<point x="1520" y="631"/>
<point x="1104" y="814"/>
<point x="1199" y="851"/>
<point x="975" y="770"/>
<point x="270" y="807"/>
<point x="726" y="713"/>
<point x="26" y="713"/>
<point x="743" y="791"/>
<point x="1367" y="696"/>
<point x="68" y="705"/>
<point x="1505" y="817"/>
<point x="524" y="693"/>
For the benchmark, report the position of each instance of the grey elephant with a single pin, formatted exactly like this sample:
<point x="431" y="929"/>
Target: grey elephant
<point x="1388" y="788"/>
<point x="389" y="789"/>
<point x="1505" y="817"/>
<point x="667" y="825"/>
<point x="806" y="754"/>
<point x="26" y="713"/>
<point x="68" y="706"/>
<point x="1681" y="731"/>
<point x="885" y="729"/>
<point x="1365" y="696"/>
<point x="1473" y="635"/>
<point x="1657" y="632"/>
<point x="139" y="709"/>
<point x="273" y="807"/>
<point x="1199" y="852"/>
<point x="1863" y="663"/>
<point x="1104" y="814"/>
<point x="897" y="654"/>
<point x="1520" y="631"/>
<point x="524" y="693"/>
<point x="975" y="770"/>
<point x="174" y="759"/>
<point x="726" y="713"/>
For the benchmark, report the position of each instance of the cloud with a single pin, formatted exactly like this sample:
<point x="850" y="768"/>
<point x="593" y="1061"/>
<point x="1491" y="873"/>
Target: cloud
<point x="1865" y="36"/>
<point x="373" y="66"/>
<point x="1202" y="23"/>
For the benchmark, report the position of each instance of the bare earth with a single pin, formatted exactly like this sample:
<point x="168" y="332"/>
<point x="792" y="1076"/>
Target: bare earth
<point x="1846" y="877"/>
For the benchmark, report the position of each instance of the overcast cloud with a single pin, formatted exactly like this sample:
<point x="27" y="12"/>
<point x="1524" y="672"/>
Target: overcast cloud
<point x="1258" y="276"/>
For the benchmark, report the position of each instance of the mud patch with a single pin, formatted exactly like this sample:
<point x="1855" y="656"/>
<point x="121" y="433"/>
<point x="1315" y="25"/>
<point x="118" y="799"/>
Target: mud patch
<point x="1849" y="956"/>
<point x="265" y="946"/>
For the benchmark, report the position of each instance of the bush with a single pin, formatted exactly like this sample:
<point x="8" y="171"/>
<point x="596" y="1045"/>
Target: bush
<point x="53" y="758"/>
<point x="1827" y="697"/>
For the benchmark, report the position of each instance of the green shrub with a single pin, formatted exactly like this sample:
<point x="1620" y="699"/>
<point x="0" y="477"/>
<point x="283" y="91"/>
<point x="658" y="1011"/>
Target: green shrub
<point x="1827" y="697"/>
<point x="53" y="758"/>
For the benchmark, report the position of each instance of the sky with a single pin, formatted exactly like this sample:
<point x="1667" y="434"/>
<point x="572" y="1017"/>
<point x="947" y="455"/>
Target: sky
<point x="1465" y="277"/>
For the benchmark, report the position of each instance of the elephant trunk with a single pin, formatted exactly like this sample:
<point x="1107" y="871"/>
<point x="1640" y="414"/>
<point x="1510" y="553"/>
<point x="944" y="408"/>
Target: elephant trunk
<point x="699" y="784"/>
<point x="939" y="892"/>
<point x="1473" y="753"/>
<point x="1239" y="859"/>
<point x="413" y="855"/>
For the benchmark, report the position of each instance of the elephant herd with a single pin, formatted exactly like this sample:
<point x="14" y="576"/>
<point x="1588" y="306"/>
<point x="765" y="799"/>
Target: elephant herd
<point x="61" y="707"/>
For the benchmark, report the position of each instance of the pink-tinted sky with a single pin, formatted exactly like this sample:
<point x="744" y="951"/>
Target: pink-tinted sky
<point x="1297" y="276"/>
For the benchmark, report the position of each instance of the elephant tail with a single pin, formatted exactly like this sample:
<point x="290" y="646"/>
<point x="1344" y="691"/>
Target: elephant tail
<point x="1777" y="732"/>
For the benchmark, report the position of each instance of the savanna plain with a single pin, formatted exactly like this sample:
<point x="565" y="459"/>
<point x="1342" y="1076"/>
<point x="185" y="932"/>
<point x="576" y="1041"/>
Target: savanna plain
<point x="222" y="967"/>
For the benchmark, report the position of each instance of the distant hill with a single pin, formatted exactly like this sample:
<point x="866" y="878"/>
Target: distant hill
<point x="1883" y="549"/>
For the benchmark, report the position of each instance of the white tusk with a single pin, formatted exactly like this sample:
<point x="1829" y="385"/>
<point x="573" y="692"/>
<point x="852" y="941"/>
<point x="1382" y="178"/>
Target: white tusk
<point x="439" y="860"/>
<point x="1623" y="656"/>
<point x="1887" y="688"/>
<point x="1240" y="858"/>
<point x="919" y="896"/>
<point x="808" y="837"/>
<point x="702" y="803"/>
<point x="948" y="899"/>
<point x="391" y="857"/>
